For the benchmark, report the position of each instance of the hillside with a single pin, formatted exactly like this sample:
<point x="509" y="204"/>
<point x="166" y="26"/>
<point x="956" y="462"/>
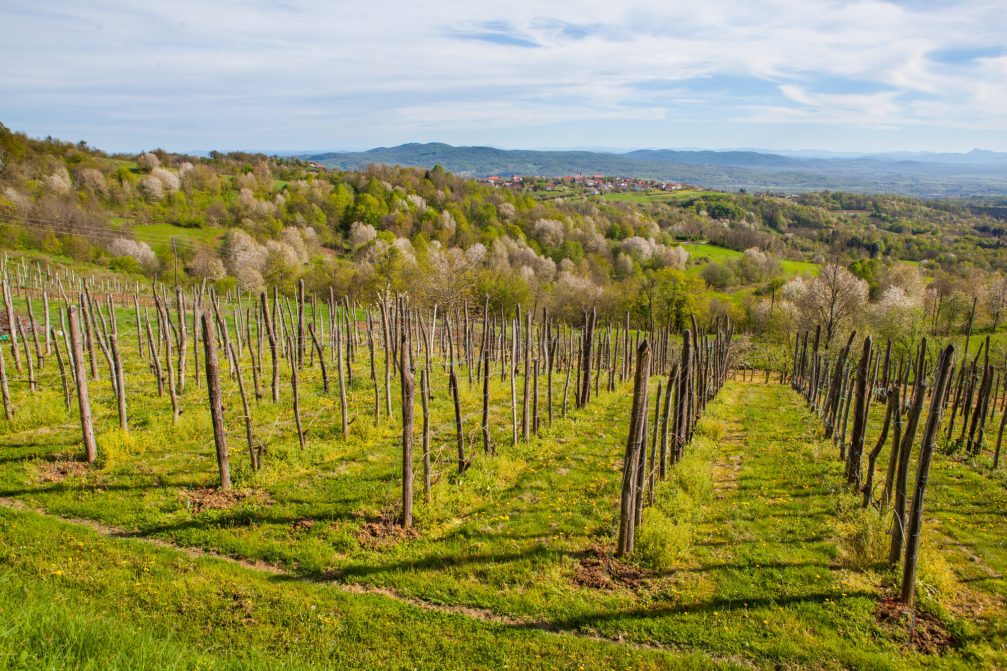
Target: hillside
<point x="255" y="222"/>
<point x="289" y="417"/>
<point x="962" y="175"/>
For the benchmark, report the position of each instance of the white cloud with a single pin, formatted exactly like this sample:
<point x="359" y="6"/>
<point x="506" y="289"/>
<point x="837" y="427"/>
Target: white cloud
<point x="320" y="74"/>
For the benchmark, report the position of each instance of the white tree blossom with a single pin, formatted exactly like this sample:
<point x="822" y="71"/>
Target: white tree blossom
<point x="405" y="249"/>
<point x="172" y="183"/>
<point x="206" y="265"/>
<point x="361" y="234"/>
<point x="506" y="211"/>
<point x="476" y="254"/>
<point x="243" y="257"/>
<point x="93" y="180"/>
<point x="447" y="223"/>
<point x="59" y="181"/>
<point x="140" y="251"/>
<point x="148" y="161"/>
<point x="671" y="257"/>
<point x="638" y="248"/>
<point x="152" y="188"/>
<point x="291" y="236"/>
<point x="831" y="298"/>
<point x="549" y="232"/>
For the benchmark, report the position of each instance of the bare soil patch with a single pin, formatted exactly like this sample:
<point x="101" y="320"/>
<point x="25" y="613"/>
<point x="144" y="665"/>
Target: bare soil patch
<point x="384" y="532"/>
<point x="209" y="498"/>
<point x="928" y="633"/>
<point x="599" y="570"/>
<point x="58" y="471"/>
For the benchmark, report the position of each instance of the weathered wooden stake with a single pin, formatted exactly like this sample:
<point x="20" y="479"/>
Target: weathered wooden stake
<point x="407" y="385"/>
<point x="83" y="399"/>
<point x="212" y="367"/>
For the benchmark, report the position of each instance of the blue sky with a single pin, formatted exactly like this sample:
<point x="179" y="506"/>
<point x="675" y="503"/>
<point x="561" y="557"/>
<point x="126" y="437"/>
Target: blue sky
<point x="780" y="74"/>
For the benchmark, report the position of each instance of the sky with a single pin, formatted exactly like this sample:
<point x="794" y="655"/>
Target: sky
<point x="871" y="76"/>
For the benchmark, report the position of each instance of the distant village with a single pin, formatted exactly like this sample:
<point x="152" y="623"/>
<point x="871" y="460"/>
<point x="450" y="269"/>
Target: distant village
<point x="591" y="184"/>
<point x="595" y="185"/>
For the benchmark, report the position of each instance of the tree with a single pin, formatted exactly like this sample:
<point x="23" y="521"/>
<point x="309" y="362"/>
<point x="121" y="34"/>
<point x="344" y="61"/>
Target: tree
<point x="832" y="298"/>
<point x="996" y="298"/>
<point x="668" y="296"/>
<point x="718" y="275"/>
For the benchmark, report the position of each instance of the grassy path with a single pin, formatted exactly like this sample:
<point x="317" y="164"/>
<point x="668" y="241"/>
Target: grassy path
<point x="73" y="598"/>
<point x="760" y="570"/>
<point x="774" y="573"/>
<point x="763" y="577"/>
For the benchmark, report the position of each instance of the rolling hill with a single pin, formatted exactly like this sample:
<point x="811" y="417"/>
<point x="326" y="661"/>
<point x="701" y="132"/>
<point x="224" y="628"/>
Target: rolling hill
<point x="977" y="173"/>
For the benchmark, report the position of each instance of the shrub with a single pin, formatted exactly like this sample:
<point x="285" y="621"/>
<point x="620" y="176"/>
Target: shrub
<point x="661" y="541"/>
<point x="114" y="445"/>
<point x="863" y="534"/>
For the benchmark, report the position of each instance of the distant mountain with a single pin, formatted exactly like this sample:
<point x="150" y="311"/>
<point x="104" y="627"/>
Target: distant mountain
<point x="738" y="159"/>
<point x="977" y="157"/>
<point x="977" y="173"/>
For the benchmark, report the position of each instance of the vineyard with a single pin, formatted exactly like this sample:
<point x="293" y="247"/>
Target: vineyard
<point x="202" y="479"/>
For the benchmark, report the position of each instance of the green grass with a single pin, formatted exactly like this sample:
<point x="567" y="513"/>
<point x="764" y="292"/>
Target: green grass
<point x="707" y="251"/>
<point x="704" y="250"/>
<point x="159" y="236"/>
<point x="657" y="196"/>
<point x="753" y="555"/>
<point x="792" y="268"/>
<point x="70" y="598"/>
<point x="752" y="572"/>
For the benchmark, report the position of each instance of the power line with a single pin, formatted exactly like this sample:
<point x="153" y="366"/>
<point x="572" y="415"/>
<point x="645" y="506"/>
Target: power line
<point x="68" y="228"/>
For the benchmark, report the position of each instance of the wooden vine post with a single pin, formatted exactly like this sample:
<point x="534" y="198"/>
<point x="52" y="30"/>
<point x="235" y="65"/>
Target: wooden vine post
<point x="923" y="475"/>
<point x="634" y="444"/>
<point x="853" y="469"/>
<point x="212" y="368"/>
<point x="425" y="404"/>
<point x="83" y="399"/>
<point x="902" y="472"/>
<point x="408" y="392"/>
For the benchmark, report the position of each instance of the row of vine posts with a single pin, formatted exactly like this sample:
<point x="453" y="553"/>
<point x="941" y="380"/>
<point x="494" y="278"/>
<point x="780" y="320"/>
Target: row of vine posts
<point x="195" y="335"/>
<point x="916" y="390"/>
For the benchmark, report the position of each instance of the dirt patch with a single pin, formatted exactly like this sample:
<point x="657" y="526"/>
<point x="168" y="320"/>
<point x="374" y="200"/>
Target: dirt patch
<point x="599" y="570"/>
<point x="302" y="524"/>
<point x="58" y="471"/>
<point x="384" y="532"/>
<point x="928" y="633"/>
<point x="208" y="498"/>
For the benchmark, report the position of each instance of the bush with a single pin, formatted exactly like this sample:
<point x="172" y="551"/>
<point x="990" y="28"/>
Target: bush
<point x="935" y="579"/>
<point x="718" y="276"/>
<point x="114" y="445"/>
<point x="666" y="534"/>
<point x="863" y="534"/>
<point x="662" y="542"/>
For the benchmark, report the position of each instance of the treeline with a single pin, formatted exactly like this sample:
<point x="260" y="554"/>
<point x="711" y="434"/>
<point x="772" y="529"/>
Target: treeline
<point x="259" y="223"/>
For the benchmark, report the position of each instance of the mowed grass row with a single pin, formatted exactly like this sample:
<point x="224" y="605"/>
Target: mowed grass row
<point x="740" y="561"/>
<point x="779" y="565"/>
<point x="70" y="598"/>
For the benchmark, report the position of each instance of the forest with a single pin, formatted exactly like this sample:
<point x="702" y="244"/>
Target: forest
<point x="262" y="414"/>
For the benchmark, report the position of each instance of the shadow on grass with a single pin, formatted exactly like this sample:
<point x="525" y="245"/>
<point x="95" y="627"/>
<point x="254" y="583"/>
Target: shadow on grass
<point x="360" y="569"/>
<point x="719" y="604"/>
<point x="751" y="566"/>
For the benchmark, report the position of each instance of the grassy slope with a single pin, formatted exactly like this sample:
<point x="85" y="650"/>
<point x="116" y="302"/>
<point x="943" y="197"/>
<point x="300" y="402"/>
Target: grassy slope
<point x="703" y="250"/>
<point x="159" y="236"/>
<point x="72" y="599"/>
<point x="510" y="535"/>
